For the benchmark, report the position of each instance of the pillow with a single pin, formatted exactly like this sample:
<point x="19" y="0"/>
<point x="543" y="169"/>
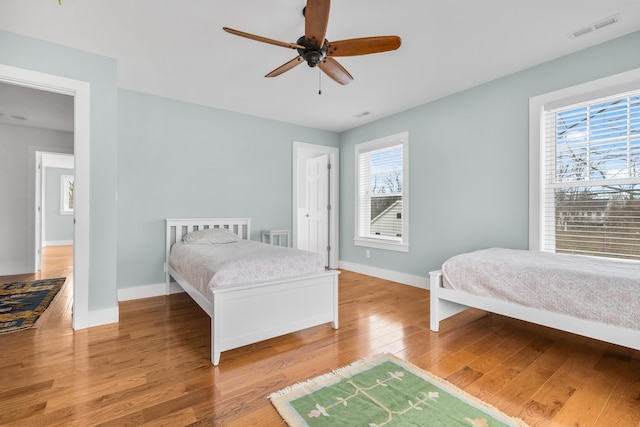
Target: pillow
<point x="210" y="236"/>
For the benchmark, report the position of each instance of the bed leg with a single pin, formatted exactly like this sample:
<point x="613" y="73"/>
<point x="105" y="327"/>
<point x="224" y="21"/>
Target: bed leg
<point x="215" y="333"/>
<point x="440" y="309"/>
<point x="435" y="281"/>
<point x="334" y="323"/>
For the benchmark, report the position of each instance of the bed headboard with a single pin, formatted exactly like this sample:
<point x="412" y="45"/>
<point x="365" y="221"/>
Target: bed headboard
<point x="178" y="227"/>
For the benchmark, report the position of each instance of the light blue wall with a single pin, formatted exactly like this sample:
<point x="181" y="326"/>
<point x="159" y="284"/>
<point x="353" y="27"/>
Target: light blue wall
<point x="57" y="226"/>
<point x="468" y="167"/>
<point x="101" y="73"/>
<point x="469" y="161"/>
<point x="177" y="159"/>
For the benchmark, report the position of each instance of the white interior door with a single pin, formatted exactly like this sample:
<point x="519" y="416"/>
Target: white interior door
<point x="318" y="156"/>
<point x="316" y="215"/>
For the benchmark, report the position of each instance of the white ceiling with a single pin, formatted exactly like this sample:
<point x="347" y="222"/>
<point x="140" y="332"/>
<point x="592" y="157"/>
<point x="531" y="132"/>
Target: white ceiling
<point x="177" y="49"/>
<point x="22" y="106"/>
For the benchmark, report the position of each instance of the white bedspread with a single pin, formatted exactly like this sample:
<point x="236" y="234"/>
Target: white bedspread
<point x="242" y="262"/>
<point x="590" y="288"/>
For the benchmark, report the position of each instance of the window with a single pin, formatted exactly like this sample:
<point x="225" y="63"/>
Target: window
<point x="66" y="194"/>
<point x="589" y="165"/>
<point x="382" y="202"/>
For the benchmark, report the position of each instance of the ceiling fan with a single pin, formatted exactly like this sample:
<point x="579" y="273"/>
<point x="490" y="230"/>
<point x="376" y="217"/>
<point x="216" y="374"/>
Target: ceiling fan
<point x="315" y="50"/>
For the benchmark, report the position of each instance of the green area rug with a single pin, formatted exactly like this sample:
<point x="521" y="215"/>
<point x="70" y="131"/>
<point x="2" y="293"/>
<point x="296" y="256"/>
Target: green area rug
<point x="22" y="303"/>
<point x="384" y="391"/>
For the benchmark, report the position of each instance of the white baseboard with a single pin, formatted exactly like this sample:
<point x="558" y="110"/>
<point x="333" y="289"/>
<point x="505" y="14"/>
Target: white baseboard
<point x="394" y="276"/>
<point x="13" y="270"/>
<point x="146" y="291"/>
<point x="103" y="317"/>
<point x="58" y="243"/>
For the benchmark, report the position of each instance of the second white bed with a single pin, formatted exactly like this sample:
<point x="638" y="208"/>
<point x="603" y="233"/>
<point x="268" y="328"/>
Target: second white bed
<point x="595" y="297"/>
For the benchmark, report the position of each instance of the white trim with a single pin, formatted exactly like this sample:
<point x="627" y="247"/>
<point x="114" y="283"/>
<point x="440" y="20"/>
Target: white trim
<point x="80" y="90"/>
<point x="57" y="160"/>
<point x="58" y="243"/>
<point x="103" y="317"/>
<point x="16" y="269"/>
<point x="380" y="244"/>
<point x="139" y="292"/>
<point x="537" y="105"/>
<point x="394" y="276"/>
<point x="334" y="159"/>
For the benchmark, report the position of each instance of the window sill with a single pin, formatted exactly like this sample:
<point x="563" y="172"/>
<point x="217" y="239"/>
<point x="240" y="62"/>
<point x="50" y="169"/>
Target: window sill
<point x="379" y="244"/>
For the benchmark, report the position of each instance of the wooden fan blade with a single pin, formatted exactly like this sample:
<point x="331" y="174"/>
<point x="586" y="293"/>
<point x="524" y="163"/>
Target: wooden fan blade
<point x="316" y="19"/>
<point x="363" y="46"/>
<point x="286" y="67"/>
<point x="337" y="72"/>
<point x="262" y="39"/>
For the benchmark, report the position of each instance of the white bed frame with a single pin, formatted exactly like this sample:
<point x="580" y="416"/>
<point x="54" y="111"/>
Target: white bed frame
<point x="447" y="302"/>
<point x="246" y="314"/>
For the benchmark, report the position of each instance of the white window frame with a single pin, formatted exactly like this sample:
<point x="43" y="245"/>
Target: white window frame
<point x="381" y="242"/>
<point x="595" y="89"/>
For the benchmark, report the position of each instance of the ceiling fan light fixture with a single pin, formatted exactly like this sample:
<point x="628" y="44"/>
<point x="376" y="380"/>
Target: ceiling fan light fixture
<point x="313" y="47"/>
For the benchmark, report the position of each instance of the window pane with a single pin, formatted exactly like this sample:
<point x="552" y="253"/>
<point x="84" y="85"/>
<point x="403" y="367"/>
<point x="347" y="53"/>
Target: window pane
<point x="603" y="221"/>
<point x="386" y="216"/>
<point x="599" y="141"/>
<point x="381" y="184"/>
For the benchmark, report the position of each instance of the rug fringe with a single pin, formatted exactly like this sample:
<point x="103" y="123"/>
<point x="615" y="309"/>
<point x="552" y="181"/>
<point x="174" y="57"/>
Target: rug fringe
<point x="327" y="375"/>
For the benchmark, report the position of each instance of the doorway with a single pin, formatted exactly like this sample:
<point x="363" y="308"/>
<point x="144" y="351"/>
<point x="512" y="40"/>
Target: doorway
<point x="54" y="216"/>
<point x="315" y="200"/>
<point x="81" y="92"/>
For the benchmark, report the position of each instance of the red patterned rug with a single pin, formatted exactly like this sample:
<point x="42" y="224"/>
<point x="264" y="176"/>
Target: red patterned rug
<point x="22" y="303"/>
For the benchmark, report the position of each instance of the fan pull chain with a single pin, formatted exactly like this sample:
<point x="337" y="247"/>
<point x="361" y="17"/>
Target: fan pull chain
<point x="319" y="82"/>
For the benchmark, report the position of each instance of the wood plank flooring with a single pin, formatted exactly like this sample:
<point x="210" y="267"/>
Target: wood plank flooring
<point x="152" y="368"/>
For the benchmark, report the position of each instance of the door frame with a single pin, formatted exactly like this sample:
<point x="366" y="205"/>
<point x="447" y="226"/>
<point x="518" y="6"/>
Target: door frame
<point x="303" y="150"/>
<point x="80" y="90"/>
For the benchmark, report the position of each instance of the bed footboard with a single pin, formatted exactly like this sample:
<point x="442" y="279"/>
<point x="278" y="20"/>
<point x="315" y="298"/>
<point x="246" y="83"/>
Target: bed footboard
<point x="255" y="313"/>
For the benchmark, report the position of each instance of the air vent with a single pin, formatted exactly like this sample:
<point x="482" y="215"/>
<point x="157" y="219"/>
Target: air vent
<point x="595" y="26"/>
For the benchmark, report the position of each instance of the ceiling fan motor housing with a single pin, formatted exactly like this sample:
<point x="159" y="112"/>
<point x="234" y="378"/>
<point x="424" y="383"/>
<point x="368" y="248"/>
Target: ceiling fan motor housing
<point x="312" y="53"/>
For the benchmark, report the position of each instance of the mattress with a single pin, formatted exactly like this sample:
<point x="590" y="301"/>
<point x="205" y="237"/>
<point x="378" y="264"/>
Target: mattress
<point x="590" y="288"/>
<point x="241" y="262"/>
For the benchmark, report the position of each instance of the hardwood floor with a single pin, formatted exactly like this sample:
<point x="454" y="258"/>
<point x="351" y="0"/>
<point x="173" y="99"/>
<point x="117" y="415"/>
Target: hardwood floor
<point x="152" y="368"/>
<point x="57" y="261"/>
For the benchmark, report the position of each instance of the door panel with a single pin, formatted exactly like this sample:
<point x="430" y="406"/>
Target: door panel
<point x="315" y="220"/>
